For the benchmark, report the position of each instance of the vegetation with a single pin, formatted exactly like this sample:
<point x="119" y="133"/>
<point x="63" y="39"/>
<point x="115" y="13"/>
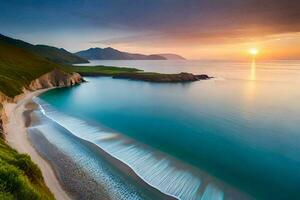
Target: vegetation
<point x="19" y="67"/>
<point x="20" y="178"/>
<point x="100" y="70"/>
<point x="52" y="54"/>
<point x="134" y="74"/>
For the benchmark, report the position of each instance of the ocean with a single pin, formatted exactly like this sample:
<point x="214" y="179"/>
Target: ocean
<point x="235" y="136"/>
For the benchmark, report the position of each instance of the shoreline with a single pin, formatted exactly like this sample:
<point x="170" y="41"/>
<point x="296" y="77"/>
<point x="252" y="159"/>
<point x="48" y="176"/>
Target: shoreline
<point x="115" y="163"/>
<point x="18" y="119"/>
<point x="15" y="132"/>
<point x="126" y="168"/>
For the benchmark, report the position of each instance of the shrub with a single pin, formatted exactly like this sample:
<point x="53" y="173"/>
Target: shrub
<point x="20" y="178"/>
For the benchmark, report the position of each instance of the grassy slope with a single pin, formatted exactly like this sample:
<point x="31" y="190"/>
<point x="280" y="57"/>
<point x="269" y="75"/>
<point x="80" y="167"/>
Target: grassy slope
<point x="101" y="70"/>
<point x="20" y="178"/>
<point x="51" y="53"/>
<point x="19" y="67"/>
<point x="57" y="55"/>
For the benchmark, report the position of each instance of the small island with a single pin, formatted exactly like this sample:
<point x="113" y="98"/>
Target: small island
<point x="136" y="74"/>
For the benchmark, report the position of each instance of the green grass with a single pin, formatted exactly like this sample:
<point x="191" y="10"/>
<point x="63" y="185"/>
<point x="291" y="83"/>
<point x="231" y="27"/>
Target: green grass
<point x="101" y="70"/>
<point x="20" y="178"/>
<point x="19" y="67"/>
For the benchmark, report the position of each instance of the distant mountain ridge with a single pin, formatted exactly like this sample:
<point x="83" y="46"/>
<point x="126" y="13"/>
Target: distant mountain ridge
<point x="114" y="54"/>
<point x="171" y="56"/>
<point x="53" y="54"/>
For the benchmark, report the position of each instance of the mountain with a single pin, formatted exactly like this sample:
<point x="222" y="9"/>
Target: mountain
<point x="170" y="56"/>
<point x="113" y="54"/>
<point x="20" y="67"/>
<point x="51" y="53"/>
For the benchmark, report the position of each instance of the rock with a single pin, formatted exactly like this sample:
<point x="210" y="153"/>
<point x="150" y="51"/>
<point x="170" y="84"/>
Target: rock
<point x="1" y="129"/>
<point x="203" y="77"/>
<point x="55" y="78"/>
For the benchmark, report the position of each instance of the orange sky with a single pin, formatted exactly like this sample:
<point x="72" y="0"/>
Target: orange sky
<point x="195" y="29"/>
<point x="277" y="46"/>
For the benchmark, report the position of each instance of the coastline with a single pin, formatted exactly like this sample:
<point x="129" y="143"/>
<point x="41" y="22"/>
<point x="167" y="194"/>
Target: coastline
<point x="17" y="118"/>
<point x="15" y="132"/>
<point x="68" y="177"/>
<point x="208" y="183"/>
<point x="17" y="135"/>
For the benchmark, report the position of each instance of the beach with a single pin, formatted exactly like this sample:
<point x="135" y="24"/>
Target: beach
<point x="64" y="177"/>
<point x="16" y="136"/>
<point x="86" y="171"/>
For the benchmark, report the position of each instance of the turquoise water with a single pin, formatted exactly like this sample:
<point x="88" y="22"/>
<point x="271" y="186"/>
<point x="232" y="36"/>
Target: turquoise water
<point x="235" y="134"/>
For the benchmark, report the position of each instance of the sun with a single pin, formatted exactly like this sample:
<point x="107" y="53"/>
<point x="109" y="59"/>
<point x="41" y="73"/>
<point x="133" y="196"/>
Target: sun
<point x="253" y="51"/>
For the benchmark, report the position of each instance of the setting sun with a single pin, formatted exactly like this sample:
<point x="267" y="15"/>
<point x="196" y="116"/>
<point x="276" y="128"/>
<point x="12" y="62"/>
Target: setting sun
<point x="253" y="51"/>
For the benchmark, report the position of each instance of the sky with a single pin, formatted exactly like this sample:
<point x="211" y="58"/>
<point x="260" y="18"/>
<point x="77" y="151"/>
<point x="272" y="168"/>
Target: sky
<point x="195" y="29"/>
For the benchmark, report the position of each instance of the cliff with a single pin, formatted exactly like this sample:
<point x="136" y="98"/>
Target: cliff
<point x="55" y="78"/>
<point x="1" y="128"/>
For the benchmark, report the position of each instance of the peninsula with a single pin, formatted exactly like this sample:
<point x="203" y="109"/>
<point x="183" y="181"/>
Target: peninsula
<point x="135" y="74"/>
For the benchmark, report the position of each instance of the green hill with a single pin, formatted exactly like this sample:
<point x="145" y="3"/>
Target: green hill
<point x="51" y="53"/>
<point x="19" y="67"/>
<point x="20" y="178"/>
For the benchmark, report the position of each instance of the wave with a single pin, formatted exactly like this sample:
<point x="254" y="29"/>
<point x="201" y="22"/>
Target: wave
<point x="161" y="171"/>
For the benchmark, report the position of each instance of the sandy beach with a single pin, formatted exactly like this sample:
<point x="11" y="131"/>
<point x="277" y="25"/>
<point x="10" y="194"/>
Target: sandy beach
<point x="62" y="172"/>
<point x="16" y="137"/>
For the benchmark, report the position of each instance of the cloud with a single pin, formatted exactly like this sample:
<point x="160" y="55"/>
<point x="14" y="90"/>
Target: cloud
<point x="199" y="22"/>
<point x="153" y="23"/>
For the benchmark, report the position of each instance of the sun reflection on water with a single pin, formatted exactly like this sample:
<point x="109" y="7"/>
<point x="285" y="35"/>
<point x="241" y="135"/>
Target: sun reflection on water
<point x="250" y="86"/>
<point x="253" y="70"/>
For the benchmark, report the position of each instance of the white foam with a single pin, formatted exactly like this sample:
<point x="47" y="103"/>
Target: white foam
<point x="158" y="171"/>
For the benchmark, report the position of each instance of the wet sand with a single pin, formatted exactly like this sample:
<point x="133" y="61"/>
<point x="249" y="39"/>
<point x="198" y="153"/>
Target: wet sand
<point x="77" y="181"/>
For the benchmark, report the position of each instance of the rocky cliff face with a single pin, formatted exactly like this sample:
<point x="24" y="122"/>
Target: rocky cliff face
<point x="1" y="128"/>
<point x="55" y="78"/>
